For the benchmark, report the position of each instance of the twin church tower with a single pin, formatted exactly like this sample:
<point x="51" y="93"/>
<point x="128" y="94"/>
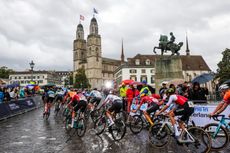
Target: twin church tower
<point x="87" y="54"/>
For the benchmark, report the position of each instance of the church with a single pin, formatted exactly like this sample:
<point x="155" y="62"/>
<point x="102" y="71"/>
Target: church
<point x="87" y="54"/>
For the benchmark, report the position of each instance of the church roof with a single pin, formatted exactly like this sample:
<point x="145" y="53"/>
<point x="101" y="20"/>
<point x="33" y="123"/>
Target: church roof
<point x="112" y="61"/>
<point x="79" y="25"/>
<point x="93" y="19"/>
<point x="189" y="63"/>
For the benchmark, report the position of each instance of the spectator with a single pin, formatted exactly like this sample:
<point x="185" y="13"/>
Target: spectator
<point x="1" y="95"/>
<point x="6" y="94"/>
<point x="163" y="89"/>
<point x="197" y="93"/>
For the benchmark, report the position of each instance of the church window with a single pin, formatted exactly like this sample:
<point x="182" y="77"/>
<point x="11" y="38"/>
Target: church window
<point x="152" y="71"/>
<point x="97" y="57"/>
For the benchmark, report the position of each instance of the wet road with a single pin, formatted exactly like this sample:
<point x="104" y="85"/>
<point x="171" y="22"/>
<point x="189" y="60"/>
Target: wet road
<point x="29" y="133"/>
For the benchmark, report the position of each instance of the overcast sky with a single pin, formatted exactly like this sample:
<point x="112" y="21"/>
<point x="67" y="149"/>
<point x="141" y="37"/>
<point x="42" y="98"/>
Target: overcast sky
<point x="43" y="31"/>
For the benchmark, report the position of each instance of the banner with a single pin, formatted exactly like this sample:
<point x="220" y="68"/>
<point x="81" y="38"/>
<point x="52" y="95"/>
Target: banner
<point x="200" y="115"/>
<point x="13" y="107"/>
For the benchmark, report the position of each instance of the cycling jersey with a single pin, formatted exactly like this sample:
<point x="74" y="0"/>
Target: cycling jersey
<point x="112" y="98"/>
<point x="51" y="94"/>
<point x="95" y="93"/>
<point x="226" y="98"/>
<point x="149" y="100"/>
<point x="178" y="99"/>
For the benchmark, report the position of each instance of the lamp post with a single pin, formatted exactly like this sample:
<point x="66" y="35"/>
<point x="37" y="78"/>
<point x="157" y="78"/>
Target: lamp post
<point x="32" y="67"/>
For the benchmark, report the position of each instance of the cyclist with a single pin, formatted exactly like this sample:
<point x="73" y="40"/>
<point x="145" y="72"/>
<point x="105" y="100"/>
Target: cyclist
<point x="225" y="92"/>
<point x="180" y="107"/>
<point x="153" y="105"/>
<point x="50" y="97"/>
<point x="113" y="103"/>
<point x="77" y="102"/>
<point x="144" y="90"/>
<point x="94" y="98"/>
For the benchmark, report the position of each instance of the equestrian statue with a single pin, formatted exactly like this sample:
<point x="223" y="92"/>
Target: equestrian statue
<point x="165" y="45"/>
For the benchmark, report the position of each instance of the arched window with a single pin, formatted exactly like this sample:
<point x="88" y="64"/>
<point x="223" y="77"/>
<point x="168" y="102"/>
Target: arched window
<point x="147" y="62"/>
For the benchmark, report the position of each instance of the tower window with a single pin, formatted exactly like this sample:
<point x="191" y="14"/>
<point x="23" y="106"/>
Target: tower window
<point x="147" y="62"/>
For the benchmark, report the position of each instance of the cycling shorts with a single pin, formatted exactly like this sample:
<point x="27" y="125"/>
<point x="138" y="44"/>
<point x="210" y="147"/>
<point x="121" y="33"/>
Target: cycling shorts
<point x="185" y="111"/>
<point x="116" y="106"/>
<point x="82" y="104"/>
<point x="50" y="99"/>
<point x="95" y="100"/>
<point x="59" y="98"/>
<point x="152" y="108"/>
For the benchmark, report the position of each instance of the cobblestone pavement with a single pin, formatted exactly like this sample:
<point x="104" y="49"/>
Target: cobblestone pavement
<point x="29" y="133"/>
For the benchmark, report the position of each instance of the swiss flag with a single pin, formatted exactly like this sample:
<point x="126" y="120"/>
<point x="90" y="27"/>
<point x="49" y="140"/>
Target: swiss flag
<point x="82" y="17"/>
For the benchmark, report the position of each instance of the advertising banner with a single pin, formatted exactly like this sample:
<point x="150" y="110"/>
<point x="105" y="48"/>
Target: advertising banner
<point x="200" y="115"/>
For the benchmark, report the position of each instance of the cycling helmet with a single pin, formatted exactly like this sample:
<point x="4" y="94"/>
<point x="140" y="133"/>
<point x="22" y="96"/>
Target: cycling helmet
<point x="223" y="87"/>
<point x="144" y="82"/>
<point x="170" y="91"/>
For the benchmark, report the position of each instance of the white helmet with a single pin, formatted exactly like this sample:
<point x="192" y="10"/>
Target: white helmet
<point x="223" y="87"/>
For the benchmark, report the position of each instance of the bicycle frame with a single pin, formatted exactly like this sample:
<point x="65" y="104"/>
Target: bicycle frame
<point x="167" y="124"/>
<point x="221" y="122"/>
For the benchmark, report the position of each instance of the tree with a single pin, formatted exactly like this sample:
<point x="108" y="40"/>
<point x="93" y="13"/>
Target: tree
<point x="5" y="72"/>
<point x="81" y="81"/>
<point x="223" y="71"/>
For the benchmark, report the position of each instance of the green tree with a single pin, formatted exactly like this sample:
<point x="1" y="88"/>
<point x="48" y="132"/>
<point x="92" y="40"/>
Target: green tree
<point x="81" y="81"/>
<point x="5" y="72"/>
<point x="223" y="71"/>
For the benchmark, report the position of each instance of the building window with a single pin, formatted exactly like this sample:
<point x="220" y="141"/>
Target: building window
<point x="142" y="70"/>
<point x="38" y="77"/>
<point x="22" y="82"/>
<point x="132" y="71"/>
<point x="10" y="78"/>
<point x="152" y="71"/>
<point x="15" y="78"/>
<point x="143" y="77"/>
<point x="137" y="62"/>
<point x="152" y="79"/>
<point x="24" y="77"/>
<point x="133" y="77"/>
<point x="147" y="62"/>
<point x="19" y="77"/>
<point x="194" y="74"/>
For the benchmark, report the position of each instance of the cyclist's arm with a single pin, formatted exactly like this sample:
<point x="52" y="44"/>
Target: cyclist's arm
<point x="224" y="106"/>
<point x="218" y="107"/>
<point x="171" y="99"/>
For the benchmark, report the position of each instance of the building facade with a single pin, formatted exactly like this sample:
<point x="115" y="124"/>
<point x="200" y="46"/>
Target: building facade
<point x="142" y="67"/>
<point x="87" y="54"/>
<point x="40" y="77"/>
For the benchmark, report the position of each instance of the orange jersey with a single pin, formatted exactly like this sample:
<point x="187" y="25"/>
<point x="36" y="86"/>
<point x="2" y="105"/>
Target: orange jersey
<point x="226" y="98"/>
<point x="71" y="93"/>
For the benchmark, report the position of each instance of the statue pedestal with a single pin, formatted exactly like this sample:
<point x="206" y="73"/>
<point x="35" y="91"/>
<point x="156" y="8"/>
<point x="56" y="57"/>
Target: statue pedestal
<point x="167" y="68"/>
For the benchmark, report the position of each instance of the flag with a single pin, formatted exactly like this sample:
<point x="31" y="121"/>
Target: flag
<point x="95" y="11"/>
<point x="82" y="17"/>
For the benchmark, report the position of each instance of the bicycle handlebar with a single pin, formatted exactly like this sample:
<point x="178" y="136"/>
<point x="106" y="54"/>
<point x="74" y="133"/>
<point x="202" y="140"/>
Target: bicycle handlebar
<point x="215" y="117"/>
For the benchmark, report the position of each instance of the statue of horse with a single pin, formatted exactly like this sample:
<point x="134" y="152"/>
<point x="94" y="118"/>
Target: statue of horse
<point x="165" y="46"/>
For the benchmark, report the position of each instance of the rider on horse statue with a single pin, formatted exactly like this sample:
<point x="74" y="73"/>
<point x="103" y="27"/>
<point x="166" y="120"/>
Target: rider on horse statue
<point x="166" y="45"/>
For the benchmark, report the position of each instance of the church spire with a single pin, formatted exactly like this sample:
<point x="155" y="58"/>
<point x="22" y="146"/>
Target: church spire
<point x="122" y="53"/>
<point x="187" y="47"/>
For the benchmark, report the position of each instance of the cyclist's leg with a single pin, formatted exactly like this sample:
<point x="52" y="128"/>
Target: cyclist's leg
<point x="153" y="108"/>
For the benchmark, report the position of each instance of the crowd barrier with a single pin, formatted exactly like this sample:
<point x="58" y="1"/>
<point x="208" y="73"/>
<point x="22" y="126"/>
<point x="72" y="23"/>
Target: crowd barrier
<point x="15" y="107"/>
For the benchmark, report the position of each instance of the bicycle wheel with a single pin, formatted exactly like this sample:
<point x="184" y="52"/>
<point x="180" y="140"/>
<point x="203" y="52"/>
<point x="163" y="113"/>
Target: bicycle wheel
<point x="100" y="125"/>
<point x="219" y="136"/>
<point x="159" y="135"/>
<point x="67" y="123"/>
<point x="202" y="141"/>
<point x="118" y="129"/>
<point x="81" y="127"/>
<point x="136" y="124"/>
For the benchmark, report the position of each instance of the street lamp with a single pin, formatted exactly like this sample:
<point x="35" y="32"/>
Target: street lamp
<point x="32" y="67"/>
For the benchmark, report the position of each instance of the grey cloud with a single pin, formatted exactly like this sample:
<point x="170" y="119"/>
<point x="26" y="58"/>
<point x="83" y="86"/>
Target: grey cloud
<point x="44" y="31"/>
